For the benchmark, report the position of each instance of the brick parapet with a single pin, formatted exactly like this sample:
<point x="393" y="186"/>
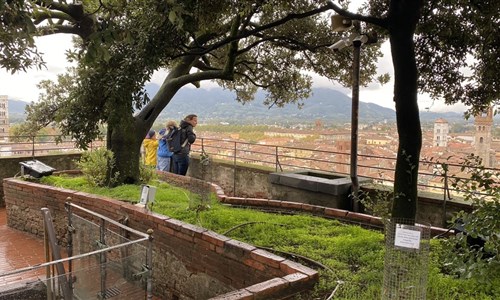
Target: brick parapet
<point x="253" y="273"/>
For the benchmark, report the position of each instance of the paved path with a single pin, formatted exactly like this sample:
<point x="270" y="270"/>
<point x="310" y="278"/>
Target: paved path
<point x="18" y="250"/>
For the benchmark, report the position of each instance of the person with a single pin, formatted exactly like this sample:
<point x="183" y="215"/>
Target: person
<point x="151" y="148"/>
<point x="188" y="137"/>
<point x="164" y="154"/>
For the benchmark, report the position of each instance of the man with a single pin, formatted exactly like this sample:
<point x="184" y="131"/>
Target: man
<point x="181" y="158"/>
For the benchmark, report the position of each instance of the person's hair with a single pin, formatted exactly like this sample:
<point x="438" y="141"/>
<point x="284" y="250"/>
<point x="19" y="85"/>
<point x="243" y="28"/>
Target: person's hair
<point x="190" y="117"/>
<point x="171" y="124"/>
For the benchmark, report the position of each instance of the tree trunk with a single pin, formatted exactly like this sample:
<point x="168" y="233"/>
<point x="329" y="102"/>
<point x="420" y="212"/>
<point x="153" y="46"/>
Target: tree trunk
<point x="125" y="143"/>
<point x="403" y="17"/>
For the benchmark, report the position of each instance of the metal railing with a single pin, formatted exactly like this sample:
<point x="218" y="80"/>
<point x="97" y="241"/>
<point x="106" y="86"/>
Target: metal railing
<point x="42" y="145"/>
<point x="100" y="262"/>
<point x="434" y="176"/>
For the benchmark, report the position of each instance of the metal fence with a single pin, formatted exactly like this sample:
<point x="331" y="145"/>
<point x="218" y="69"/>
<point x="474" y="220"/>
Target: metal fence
<point x="42" y="145"/>
<point x="434" y="176"/>
<point x="100" y="263"/>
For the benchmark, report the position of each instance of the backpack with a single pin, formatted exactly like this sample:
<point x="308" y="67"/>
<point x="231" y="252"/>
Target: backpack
<point x="174" y="140"/>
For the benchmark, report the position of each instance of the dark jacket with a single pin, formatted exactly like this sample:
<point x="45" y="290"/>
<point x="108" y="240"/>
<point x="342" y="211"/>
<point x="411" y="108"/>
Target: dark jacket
<point x="187" y="134"/>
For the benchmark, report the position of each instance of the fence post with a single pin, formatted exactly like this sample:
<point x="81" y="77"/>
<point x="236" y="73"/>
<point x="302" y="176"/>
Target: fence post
<point x="234" y="170"/>
<point x="277" y="161"/>
<point x="33" y="147"/>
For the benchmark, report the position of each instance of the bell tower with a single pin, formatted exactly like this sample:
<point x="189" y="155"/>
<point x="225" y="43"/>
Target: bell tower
<point x="482" y="139"/>
<point x="4" y="117"/>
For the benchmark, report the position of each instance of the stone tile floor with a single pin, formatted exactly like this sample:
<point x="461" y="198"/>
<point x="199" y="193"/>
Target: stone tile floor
<point x="18" y="250"/>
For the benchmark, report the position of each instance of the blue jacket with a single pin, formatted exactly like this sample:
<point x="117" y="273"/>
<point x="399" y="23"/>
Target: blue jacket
<point x="163" y="148"/>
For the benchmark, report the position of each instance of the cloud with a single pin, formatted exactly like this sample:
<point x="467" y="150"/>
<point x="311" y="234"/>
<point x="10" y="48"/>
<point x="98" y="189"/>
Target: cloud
<point x="22" y="86"/>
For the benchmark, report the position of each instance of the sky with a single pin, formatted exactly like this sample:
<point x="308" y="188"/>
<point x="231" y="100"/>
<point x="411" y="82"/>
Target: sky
<point x="23" y="86"/>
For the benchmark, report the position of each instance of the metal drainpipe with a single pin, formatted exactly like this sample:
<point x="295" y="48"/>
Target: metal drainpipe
<point x="354" y="125"/>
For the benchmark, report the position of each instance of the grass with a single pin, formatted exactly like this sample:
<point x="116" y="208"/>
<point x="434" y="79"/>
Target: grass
<point x="352" y="256"/>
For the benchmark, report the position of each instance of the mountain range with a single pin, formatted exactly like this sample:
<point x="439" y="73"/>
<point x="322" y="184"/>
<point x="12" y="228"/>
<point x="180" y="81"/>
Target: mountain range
<point x="219" y="105"/>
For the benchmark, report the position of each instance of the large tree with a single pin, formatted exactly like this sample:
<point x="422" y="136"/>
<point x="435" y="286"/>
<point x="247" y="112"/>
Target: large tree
<point x="245" y="45"/>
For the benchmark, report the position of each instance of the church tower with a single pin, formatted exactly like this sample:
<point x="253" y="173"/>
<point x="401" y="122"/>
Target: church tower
<point x="441" y="129"/>
<point x="4" y="117"/>
<point x="482" y="139"/>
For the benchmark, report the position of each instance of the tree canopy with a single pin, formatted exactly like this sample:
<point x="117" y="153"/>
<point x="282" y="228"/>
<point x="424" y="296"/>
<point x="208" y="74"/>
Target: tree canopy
<point x="446" y="48"/>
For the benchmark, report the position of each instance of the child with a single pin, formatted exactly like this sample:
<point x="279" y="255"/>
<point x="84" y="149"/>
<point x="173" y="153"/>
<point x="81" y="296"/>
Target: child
<point x="164" y="155"/>
<point x="151" y="147"/>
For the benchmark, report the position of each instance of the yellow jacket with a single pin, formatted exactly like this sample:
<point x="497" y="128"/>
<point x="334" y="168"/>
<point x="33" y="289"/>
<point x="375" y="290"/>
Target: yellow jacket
<point x="151" y="148"/>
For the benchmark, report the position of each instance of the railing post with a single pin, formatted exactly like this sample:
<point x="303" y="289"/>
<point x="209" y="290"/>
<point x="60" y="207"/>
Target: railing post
<point x="234" y="170"/>
<point x="149" y="263"/>
<point x="33" y="147"/>
<point x="102" y="260"/>
<point x="277" y="159"/>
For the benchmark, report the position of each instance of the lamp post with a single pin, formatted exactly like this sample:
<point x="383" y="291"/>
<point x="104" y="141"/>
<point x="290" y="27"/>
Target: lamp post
<point x="356" y="39"/>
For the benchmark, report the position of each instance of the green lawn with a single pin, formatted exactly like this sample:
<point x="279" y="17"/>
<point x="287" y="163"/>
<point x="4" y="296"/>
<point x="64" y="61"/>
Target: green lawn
<point x="350" y="255"/>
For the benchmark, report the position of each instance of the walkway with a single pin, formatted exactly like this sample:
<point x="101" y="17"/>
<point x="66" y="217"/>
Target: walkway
<point x="18" y="250"/>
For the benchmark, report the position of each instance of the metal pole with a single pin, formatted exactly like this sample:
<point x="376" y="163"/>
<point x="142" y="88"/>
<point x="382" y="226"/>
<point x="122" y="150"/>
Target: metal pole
<point x="354" y="125"/>
<point x="234" y="170"/>
<point x="70" y="242"/>
<point x="102" y="259"/>
<point x="149" y="263"/>
<point x="33" y="147"/>
<point x="277" y="160"/>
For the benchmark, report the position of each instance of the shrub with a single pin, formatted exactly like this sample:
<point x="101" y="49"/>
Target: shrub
<point x="95" y="165"/>
<point x="477" y="248"/>
<point x="146" y="173"/>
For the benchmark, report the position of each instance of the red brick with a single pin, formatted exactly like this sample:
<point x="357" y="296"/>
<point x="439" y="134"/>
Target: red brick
<point x="242" y="294"/>
<point x="335" y="212"/>
<point x="268" y="289"/>
<point x="267" y="258"/>
<point x="359" y="217"/>
<point x="290" y="267"/>
<point x="214" y="238"/>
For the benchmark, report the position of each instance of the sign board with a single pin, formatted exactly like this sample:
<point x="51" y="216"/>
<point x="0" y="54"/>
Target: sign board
<point x="406" y="237"/>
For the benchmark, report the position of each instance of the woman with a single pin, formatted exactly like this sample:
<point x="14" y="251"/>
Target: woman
<point x="164" y="154"/>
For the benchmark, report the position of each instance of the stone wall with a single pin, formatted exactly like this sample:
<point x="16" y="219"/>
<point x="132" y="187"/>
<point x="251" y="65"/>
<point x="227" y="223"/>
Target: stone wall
<point x="251" y="182"/>
<point x="9" y="166"/>
<point x="189" y="262"/>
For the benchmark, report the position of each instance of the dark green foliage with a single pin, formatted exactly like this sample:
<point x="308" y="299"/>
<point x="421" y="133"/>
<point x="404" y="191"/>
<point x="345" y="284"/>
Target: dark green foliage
<point x="482" y="190"/>
<point x="95" y="166"/>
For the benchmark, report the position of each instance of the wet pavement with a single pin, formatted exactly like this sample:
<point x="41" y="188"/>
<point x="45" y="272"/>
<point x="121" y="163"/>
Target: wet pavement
<point x="18" y="250"/>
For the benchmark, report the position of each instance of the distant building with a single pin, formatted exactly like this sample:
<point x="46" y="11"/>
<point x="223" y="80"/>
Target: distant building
<point x="4" y="117"/>
<point x="441" y="130"/>
<point x="482" y="139"/>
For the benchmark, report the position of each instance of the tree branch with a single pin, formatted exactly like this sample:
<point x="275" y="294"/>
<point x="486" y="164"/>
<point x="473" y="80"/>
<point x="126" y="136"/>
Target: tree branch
<point x="368" y="19"/>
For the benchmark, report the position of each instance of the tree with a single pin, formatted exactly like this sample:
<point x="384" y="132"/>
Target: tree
<point x="263" y="44"/>
<point x="429" y="43"/>
<point x="256" y="44"/>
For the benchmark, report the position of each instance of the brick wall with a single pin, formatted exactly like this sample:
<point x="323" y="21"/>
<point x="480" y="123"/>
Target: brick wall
<point x="186" y="257"/>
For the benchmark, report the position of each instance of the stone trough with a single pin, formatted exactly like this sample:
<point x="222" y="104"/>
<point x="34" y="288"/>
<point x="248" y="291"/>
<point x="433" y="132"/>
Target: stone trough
<point x="313" y="187"/>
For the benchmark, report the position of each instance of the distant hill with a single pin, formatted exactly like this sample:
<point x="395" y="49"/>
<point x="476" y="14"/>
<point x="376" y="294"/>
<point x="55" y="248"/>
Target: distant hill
<point x="218" y="105"/>
<point x="329" y="105"/>
<point x="17" y="111"/>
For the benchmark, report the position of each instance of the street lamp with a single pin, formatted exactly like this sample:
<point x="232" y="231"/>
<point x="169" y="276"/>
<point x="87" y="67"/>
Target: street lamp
<point x="356" y="39"/>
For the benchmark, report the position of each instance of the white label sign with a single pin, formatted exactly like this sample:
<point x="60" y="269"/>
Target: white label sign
<point x="144" y="194"/>
<point x="407" y="238"/>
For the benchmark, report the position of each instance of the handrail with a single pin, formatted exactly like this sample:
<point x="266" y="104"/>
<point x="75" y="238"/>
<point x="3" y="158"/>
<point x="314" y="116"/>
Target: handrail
<point x="281" y="157"/>
<point x="276" y="157"/>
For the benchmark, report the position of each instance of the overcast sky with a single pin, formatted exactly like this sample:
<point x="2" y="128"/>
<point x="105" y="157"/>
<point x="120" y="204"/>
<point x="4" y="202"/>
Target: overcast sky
<point x="22" y="86"/>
